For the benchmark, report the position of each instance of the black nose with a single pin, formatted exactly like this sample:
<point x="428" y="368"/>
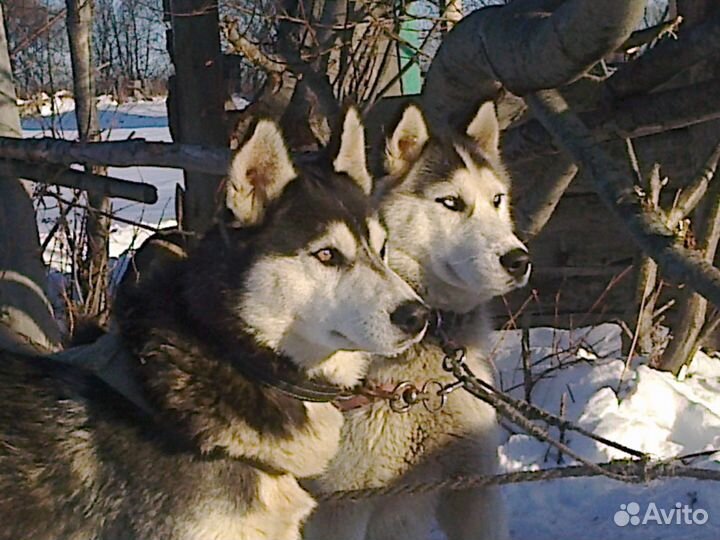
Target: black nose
<point x="410" y="317"/>
<point x="516" y="262"/>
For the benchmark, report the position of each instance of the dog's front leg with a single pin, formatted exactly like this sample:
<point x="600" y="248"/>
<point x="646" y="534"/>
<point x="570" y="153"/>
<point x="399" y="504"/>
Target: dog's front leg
<point x="403" y="517"/>
<point x="473" y="514"/>
<point x="339" y="521"/>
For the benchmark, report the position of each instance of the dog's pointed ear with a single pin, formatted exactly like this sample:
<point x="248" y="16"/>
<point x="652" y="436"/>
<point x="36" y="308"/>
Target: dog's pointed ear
<point x="350" y="158"/>
<point x="258" y="173"/>
<point x="406" y="142"/>
<point x="485" y="130"/>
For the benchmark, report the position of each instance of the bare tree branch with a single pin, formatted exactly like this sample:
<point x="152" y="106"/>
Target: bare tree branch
<point x="37" y="33"/>
<point x="525" y="49"/>
<point x="277" y="91"/>
<point x="646" y="289"/>
<point x="654" y="114"/>
<point x="249" y="50"/>
<point x="109" y="215"/>
<point x="104" y="185"/>
<point x="687" y="331"/>
<point x="319" y="107"/>
<point x="647" y="228"/>
<point x="534" y="210"/>
<point x="94" y="262"/>
<point x="135" y="152"/>
<point x="647" y="35"/>
<point x="671" y="109"/>
<point x="666" y="60"/>
<point x="633" y="117"/>
<point x="695" y="191"/>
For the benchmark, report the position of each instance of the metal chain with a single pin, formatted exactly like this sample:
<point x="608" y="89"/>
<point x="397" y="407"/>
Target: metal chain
<point x="462" y="372"/>
<point x="639" y="470"/>
<point x="433" y="395"/>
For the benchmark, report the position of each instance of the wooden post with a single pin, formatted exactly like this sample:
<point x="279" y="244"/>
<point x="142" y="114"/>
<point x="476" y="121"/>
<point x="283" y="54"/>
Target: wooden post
<point x="198" y="99"/>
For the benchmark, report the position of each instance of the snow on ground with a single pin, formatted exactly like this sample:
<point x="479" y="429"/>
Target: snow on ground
<point x="135" y="119"/>
<point x="60" y="116"/>
<point x="637" y="406"/>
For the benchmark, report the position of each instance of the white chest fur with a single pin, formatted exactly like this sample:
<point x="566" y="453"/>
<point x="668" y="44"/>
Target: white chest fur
<point x="277" y="514"/>
<point x="379" y="446"/>
<point x="305" y="452"/>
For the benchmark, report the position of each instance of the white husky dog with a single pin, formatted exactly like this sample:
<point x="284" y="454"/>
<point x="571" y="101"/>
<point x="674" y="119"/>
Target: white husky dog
<point x="451" y="237"/>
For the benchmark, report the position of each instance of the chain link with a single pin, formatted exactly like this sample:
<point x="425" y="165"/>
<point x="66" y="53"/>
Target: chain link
<point x="433" y="394"/>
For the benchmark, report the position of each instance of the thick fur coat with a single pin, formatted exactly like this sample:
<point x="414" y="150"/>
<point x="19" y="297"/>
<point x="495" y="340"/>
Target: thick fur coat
<point x="200" y="450"/>
<point x="451" y="237"/>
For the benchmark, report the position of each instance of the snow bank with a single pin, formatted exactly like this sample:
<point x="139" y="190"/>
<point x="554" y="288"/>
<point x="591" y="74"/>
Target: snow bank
<point x="57" y="114"/>
<point x="639" y="407"/>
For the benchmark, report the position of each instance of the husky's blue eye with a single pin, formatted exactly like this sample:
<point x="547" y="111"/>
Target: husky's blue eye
<point x="456" y="204"/>
<point x="498" y="199"/>
<point x="329" y="256"/>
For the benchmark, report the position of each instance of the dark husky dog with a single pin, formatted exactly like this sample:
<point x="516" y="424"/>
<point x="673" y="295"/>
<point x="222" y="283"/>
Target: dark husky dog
<point x="222" y="347"/>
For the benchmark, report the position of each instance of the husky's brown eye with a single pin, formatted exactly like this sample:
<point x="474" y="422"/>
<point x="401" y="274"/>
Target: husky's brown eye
<point x="498" y="199"/>
<point x="329" y="256"/>
<point x="456" y="204"/>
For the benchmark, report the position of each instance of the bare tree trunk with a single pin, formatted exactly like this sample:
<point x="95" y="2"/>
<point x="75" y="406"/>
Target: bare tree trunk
<point x="198" y="99"/>
<point x="690" y="318"/>
<point x="25" y="313"/>
<point x="533" y="210"/>
<point x="97" y="224"/>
